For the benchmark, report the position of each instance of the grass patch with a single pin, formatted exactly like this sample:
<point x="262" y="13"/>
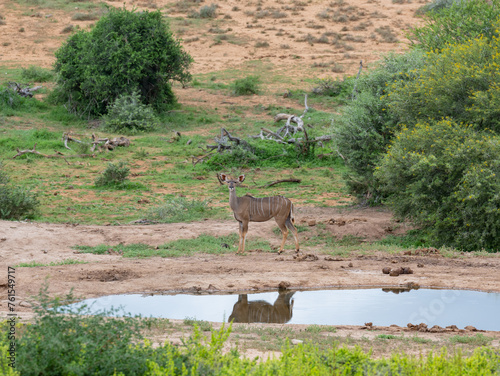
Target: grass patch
<point x="34" y="264"/>
<point x="477" y="340"/>
<point x="183" y="247"/>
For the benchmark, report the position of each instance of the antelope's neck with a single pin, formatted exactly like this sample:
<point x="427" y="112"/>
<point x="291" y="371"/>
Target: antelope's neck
<point x="233" y="200"/>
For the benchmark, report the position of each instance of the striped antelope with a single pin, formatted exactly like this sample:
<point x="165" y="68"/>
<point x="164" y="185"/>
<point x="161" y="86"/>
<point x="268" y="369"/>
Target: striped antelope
<point x="251" y="209"/>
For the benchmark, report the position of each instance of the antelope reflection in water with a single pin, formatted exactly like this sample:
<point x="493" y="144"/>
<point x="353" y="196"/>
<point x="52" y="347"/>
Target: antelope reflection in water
<point x="261" y="311"/>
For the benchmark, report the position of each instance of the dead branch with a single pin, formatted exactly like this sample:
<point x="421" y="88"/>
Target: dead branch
<point x="23" y="92"/>
<point x="291" y="180"/>
<point x="58" y="154"/>
<point x="354" y="90"/>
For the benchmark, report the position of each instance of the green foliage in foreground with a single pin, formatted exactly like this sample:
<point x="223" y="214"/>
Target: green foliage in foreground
<point x="446" y="178"/>
<point x="61" y="344"/>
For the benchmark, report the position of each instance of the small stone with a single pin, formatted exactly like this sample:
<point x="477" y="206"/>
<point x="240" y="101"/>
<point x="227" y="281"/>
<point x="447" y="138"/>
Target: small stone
<point x="394" y="273"/>
<point x="386" y="270"/>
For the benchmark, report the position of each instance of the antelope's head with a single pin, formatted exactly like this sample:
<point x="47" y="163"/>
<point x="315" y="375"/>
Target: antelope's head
<point x="231" y="183"/>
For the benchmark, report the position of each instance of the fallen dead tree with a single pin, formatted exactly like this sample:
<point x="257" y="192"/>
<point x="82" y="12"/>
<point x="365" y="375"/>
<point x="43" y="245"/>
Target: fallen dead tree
<point x="292" y="133"/>
<point x="26" y="92"/>
<point x="57" y="154"/>
<point x="226" y="141"/>
<point x="287" y="133"/>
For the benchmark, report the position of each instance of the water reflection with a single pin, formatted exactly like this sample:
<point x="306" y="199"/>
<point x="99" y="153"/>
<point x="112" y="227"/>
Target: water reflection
<point x="383" y="307"/>
<point x="261" y="311"/>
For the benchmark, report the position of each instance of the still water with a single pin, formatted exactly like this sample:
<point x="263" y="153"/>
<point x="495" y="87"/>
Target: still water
<point x="323" y="307"/>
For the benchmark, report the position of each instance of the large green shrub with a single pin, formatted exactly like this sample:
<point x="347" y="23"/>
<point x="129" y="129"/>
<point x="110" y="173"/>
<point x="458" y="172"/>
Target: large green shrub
<point x="445" y="177"/>
<point x="366" y="125"/>
<point x="462" y="81"/>
<point x="124" y="52"/>
<point x="455" y="22"/>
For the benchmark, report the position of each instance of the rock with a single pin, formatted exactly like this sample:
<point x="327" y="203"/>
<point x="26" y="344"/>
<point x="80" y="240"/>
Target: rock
<point x="311" y="222"/>
<point x="394" y="273"/>
<point x="436" y="329"/>
<point x="386" y="270"/>
<point x="470" y="328"/>
<point x="296" y="341"/>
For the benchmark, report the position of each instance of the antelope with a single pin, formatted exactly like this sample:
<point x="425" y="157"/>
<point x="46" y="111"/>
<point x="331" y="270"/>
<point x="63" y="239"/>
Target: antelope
<point x="252" y="209"/>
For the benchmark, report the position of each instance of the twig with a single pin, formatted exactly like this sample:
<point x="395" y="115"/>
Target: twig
<point x="356" y="81"/>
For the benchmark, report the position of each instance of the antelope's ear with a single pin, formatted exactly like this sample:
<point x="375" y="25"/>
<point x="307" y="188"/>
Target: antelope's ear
<point x="223" y="177"/>
<point x="241" y="178"/>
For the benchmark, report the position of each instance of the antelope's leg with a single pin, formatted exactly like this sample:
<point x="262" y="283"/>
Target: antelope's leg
<point x="290" y="225"/>
<point x="243" y="235"/>
<point x="284" y="231"/>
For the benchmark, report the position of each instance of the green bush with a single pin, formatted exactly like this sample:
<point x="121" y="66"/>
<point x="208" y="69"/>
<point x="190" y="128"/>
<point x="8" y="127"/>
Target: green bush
<point x="246" y="86"/>
<point x="445" y="177"/>
<point x="16" y="202"/>
<point x="37" y="74"/>
<point x="462" y="81"/>
<point x="456" y="22"/>
<point x="9" y="99"/>
<point x="366" y="125"/>
<point x="128" y="114"/>
<point x="58" y="343"/>
<point x="114" y="174"/>
<point x="125" y="51"/>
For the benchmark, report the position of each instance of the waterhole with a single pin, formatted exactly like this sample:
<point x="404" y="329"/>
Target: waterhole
<point x="381" y="306"/>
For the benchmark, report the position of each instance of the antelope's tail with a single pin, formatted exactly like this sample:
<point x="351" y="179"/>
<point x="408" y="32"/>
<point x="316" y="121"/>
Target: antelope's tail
<point x="292" y="217"/>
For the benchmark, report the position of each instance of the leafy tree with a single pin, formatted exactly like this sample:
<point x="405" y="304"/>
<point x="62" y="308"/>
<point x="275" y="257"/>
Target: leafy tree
<point x="124" y="52"/>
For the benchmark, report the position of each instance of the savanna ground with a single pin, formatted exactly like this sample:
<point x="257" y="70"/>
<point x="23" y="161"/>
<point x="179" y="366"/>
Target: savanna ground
<point x="289" y="44"/>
